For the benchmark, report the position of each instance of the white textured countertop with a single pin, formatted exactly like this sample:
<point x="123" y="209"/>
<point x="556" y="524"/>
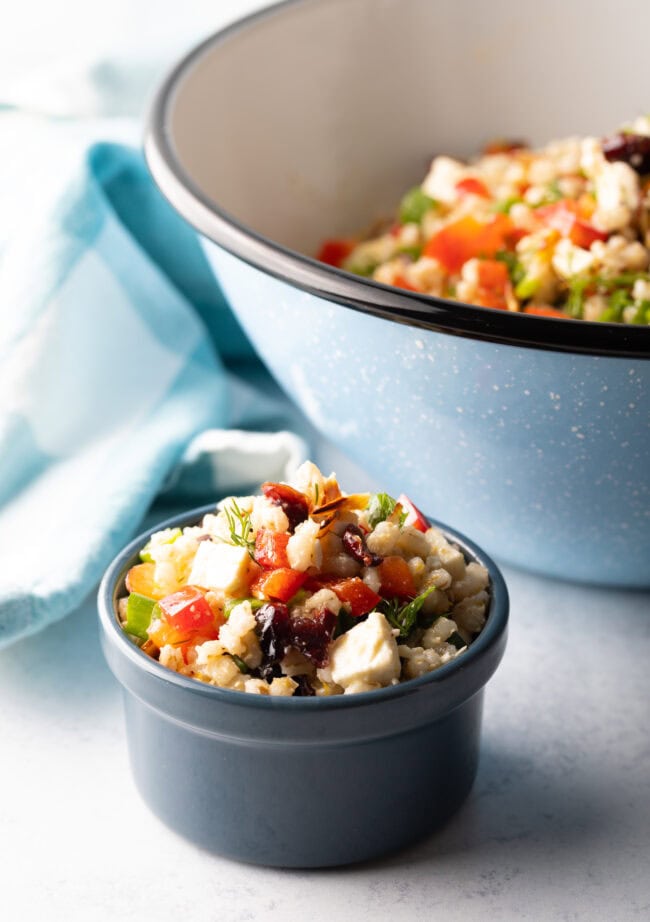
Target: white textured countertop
<point x="557" y="826"/>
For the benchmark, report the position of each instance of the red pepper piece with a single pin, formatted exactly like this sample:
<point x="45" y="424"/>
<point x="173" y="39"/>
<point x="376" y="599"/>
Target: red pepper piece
<point x="565" y="217"/>
<point x="413" y="515"/>
<point x="357" y="594"/>
<point x="271" y="549"/>
<point x="335" y="251"/>
<point x="281" y="584"/>
<point x="466" y="238"/>
<point x="396" y="579"/>
<point x="544" y="310"/>
<point x="187" y="610"/>
<point x="472" y="186"/>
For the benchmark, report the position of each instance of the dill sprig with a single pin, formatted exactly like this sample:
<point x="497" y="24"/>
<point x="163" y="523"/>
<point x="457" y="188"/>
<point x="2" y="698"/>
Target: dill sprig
<point x="240" y="527"/>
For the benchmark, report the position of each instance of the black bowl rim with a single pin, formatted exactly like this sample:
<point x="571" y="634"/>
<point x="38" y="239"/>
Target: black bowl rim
<point x="493" y="632"/>
<point x="361" y="294"/>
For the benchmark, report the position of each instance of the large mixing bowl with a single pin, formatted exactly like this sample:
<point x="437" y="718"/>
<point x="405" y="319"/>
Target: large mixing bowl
<point x="308" y="120"/>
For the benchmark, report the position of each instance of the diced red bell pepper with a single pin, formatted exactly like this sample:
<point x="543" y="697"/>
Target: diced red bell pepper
<point x="400" y="281"/>
<point x="396" y="579"/>
<point x="413" y="515"/>
<point x="565" y="217"/>
<point x="187" y="610"/>
<point x="280" y="585"/>
<point x="493" y="275"/>
<point x="271" y="549"/>
<point x="357" y="594"/>
<point x="335" y="251"/>
<point x="472" y="186"/>
<point x="544" y="310"/>
<point x="466" y="238"/>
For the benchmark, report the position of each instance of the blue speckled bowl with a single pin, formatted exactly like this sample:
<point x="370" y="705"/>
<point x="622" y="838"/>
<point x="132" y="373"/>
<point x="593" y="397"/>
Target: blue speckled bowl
<point x="532" y="434"/>
<point x="302" y="782"/>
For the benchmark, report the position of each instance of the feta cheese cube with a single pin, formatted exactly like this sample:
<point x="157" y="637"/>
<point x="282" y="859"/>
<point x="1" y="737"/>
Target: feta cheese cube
<point x="221" y="566"/>
<point x="365" y="654"/>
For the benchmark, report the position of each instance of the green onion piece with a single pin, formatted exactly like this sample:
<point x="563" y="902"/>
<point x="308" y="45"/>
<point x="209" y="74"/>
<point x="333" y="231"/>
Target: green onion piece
<point x="415" y="205"/>
<point x="456" y="641"/>
<point x="515" y="269"/>
<point x="577" y="293"/>
<point x="504" y="206"/>
<point x="365" y="269"/>
<point x="301" y="596"/>
<point x="241" y="665"/>
<point x="145" y="553"/>
<point x="618" y="301"/>
<point x="380" y="506"/>
<point x="526" y="288"/>
<point x="139" y="610"/>
<point x="643" y="313"/>
<point x="233" y="603"/>
<point x="413" y="252"/>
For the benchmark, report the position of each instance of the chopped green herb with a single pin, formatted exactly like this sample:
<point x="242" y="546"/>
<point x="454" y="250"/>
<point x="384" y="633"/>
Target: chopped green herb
<point x="139" y="613"/>
<point x="415" y="205"/>
<point x="380" y="506"/>
<point x="241" y="665"/>
<point x="345" y="621"/>
<point x="404" y="617"/>
<point x="316" y="494"/>
<point x="240" y="527"/>
<point x="456" y="641"/>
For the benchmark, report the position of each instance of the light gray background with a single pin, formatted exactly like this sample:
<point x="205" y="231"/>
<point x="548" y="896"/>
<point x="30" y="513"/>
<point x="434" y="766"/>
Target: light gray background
<point x="558" y="824"/>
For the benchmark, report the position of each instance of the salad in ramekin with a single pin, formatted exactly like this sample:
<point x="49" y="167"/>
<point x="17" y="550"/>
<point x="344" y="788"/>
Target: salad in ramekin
<point x="304" y="590"/>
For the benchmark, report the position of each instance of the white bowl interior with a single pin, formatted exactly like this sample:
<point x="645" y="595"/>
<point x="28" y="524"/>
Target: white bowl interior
<point x="313" y="119"/>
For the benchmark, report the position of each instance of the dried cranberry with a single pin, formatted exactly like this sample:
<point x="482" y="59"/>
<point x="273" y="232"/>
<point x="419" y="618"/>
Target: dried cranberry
<point x="633" y="149"/>
<point x="312" y="636"/>
<point x="293" y="502"/>
<point x="354" y="544"/>
<point x="268" y="671"/>
<point x="273" y="628"/>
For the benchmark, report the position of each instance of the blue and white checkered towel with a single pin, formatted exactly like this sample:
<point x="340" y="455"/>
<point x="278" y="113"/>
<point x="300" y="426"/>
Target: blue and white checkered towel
<point x="117" y="353"/>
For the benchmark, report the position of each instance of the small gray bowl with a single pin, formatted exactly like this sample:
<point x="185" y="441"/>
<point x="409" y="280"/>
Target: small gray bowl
<point x="302" y="782"/>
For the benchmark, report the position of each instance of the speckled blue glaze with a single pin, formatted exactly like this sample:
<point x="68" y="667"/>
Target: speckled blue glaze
<point x="543" y="457"/>
<point x="302" y="782"/>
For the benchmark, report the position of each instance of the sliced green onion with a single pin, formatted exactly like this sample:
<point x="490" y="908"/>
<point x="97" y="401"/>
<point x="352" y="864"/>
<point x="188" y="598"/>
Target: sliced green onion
<point x="139" y="612"/>
<point x="415" y="205"/>
<point x="527" y="287"/>
<point x="233" y="603"/>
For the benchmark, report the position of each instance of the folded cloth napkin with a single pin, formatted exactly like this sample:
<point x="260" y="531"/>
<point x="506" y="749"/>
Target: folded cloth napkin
<point x="122" y="372"/>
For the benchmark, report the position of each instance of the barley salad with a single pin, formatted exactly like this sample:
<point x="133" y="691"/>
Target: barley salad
<point x="562" y="231"/>
<point x="305" y="590"/>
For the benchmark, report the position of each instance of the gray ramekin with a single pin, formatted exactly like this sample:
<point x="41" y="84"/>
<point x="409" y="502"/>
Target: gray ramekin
<point x="302" y="782"/>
